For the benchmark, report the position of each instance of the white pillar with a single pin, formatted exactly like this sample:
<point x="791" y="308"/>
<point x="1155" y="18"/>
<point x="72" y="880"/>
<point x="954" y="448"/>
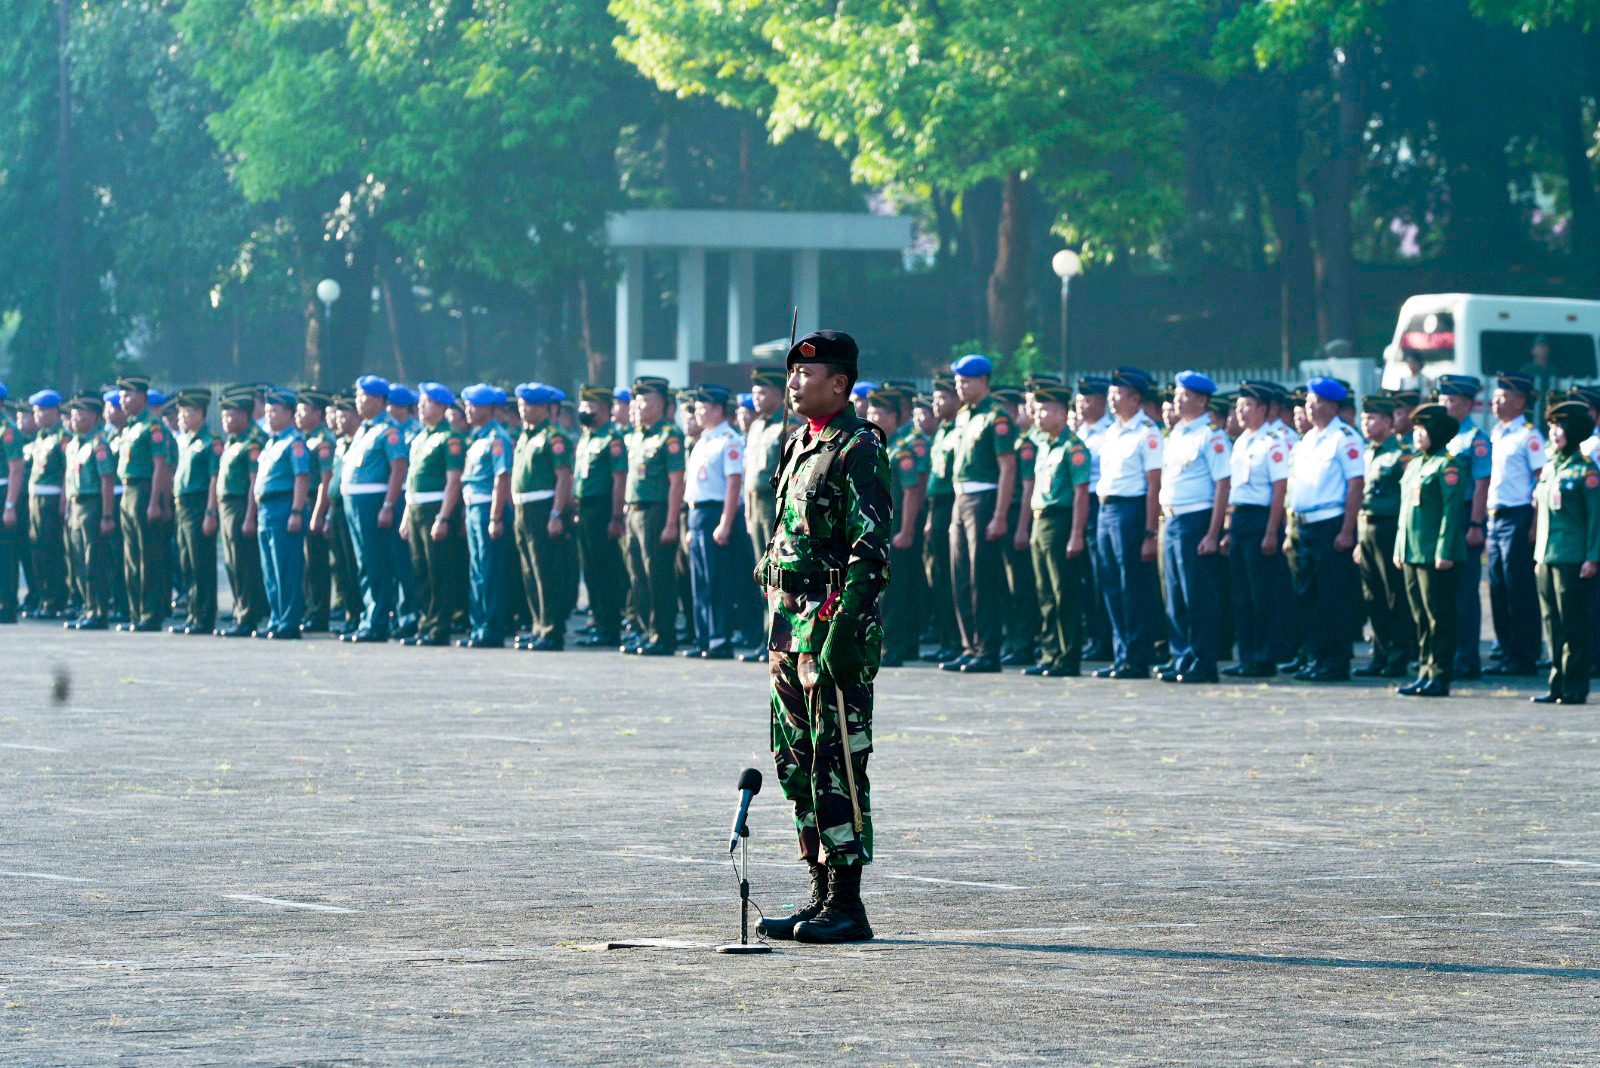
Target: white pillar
<point x="741" y="305"/>
<point x="806" y="289"/>
<point x="691" y="311"/>
<point x="630" y="315"/>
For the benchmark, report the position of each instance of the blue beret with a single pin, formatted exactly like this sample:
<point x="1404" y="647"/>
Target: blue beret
<point x="534" y="393"/>
<point x="972" y="366"/>
<point x="402" y="396"/>
<point x="747" y="400"/>
<point x="437" y="392"/>
<point x="1195" y="381"/>
<point x="45" y="398"/>
<point x="1328" y="389"/>
<point x="483" y="394"/>
<point x="4" y="392"/>
<point x="861" y="389"/>
<point x="113" y="397"/>
<point x="1516" y="380"/>
<point x="620" y="394"/>
<point x="155" y="398"/>
<point x="373" y="386"/>
<point x="1133" y="378"/>
<point x="557" y="395"/>
<point x="1458" y="385"/>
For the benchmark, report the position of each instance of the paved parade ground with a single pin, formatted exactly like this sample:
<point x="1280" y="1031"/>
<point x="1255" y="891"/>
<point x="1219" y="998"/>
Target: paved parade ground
<point x="251" y="852"/>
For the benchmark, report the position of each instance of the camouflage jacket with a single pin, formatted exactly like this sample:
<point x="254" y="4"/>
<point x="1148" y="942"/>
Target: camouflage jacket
<point x="831" y="539"/>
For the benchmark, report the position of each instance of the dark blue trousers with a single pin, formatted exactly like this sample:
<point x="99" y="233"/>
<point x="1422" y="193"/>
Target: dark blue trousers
<point x="1127" y="584"/>
<point x="1469" y="607"/>
<point x="1261" y="610"/>
<point x="1325" y="583"/>
<point x="1512" y="598"/>
<point x="374" y="549"/>
<point x="711" y="576"/>
<point x="283" y="562"/>
<point x="1193" y="594"/>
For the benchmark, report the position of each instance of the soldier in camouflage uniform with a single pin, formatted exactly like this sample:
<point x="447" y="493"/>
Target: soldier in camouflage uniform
<point x="824" y="572"/>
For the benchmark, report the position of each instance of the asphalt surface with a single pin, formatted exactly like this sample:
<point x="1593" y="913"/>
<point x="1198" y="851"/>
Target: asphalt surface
<point x="257" y="852"/>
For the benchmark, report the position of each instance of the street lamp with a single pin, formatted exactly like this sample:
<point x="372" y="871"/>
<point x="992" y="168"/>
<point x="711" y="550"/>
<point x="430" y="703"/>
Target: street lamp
<point x="1067" y="264"/>
<point x="327" y="291"/>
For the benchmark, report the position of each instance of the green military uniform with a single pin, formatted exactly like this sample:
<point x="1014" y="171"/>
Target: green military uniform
<point x="47" y="540"/>
<point x="936" y="540"/>
<point x="904" y="603"/>
<point x="763" y="443"/>
<point x="241" y="552"/>
<point x="319" y="575"/>
<point x="199" y="456"/>
<point x="982" y="434"/>
<point x="824" y="575"/>
<point x="119" y="576"/>
<point x="436" y="451"/>
<point x="601" y="455"/>
<point x="541" y="452"/>
<point x="143" y="444"/>
<point x="1061" y="466"/>
<point x="1429" y="529"/>
<point x="654" y="454"/>
<point x="12" y="524"/>
<point x="1394" y="637"/>
<point x="91" y="524"/>
<point x="1567" y="499"/>
<point x="1022" y="611"/>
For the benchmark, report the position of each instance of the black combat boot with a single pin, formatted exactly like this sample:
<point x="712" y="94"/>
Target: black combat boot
<point x="773" y="927"/>
<point x="843" y="917"/>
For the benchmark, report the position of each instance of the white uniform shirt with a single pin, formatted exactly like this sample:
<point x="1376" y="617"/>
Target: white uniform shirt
<point x="1259" y="459"/>
<point x="717" y="454"/>
<point x="1590" y="447"/>
<point x="1093" y="437"/>
<point x="1127" y="452"/>
<point x="1320" y="470"/>
<point x="1518" y="453"/>
<point x="1285" y="433"/>
<point x="1194" y="460"/>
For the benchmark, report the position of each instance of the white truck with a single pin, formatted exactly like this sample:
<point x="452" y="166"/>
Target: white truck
<point x="1480" y="335"/>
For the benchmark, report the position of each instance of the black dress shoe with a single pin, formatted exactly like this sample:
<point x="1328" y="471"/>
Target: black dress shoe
<point x="371" y="637"/>
<point x="287" y="634"/>
<point x="148" y="627"/>
<point x="1107" y="672"/>
<point x="1166" y="674"/>
<point x="1546" y="699"/>
<point x="691" y="654"/>
<point x="1410" y="689"/>
<point x="424" y="639"/>
<point x="1254" y="671"/>
<point x="1191" y="679"/>
<point x="90" y="624"/>
<point x="1294" y="667"/>
<point x="957" y="664"/>
<point x="479" y="643"/>
<point x="942" y="656"/>
<point x="981" y="665"/>
<point x="599" y="641"/>
<point x="1373" y="670"/>
<point x="318" y="627"/>
<point x="1575" y="700"/>
<point x="654" y="649"/>
<point x="1128" y="671"/>
<point x="235" y="631"/>
<point x="1324" y="675"/>
<point x="755" y="656"/>
<point x="1037" y="671"/>
<point x="1019" y="656"/>
<point x="1433" y="688"/>
<point x="725" y="652"/>
<point x="1511" y="668"/>
<point x="545" y="645"/>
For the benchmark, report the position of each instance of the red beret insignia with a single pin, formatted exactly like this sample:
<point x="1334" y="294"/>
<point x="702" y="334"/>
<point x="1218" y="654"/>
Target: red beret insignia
<point x="807" y="349"/>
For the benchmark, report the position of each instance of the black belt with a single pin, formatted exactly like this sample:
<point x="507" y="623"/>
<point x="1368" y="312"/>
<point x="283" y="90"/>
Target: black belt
<point x="1123" y="500"/>
<point x="804" y="581"/>
<point x="1250" y="508"/>
<point x="1514" y="510"/>
<point x="1381" y="515"/>
<point x="706" y="504"/>
<point x="1054" y="509"/>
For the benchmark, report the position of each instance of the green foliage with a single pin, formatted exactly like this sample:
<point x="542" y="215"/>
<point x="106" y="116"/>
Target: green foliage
<point x="1013" y="367"/>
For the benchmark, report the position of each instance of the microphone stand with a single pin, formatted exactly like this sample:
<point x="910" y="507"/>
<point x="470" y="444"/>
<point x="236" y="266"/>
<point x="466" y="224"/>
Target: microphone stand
<point x="743" y="945"/>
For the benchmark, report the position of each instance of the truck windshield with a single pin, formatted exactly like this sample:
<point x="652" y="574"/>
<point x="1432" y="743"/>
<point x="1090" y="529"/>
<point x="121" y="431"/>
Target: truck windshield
<point x="1431" y="336"/>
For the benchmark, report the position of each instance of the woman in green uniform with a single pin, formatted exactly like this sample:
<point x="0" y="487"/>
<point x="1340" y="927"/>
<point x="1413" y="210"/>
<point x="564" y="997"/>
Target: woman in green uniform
<point x="1429" y="543"/>
<point x="1566" y="551"/>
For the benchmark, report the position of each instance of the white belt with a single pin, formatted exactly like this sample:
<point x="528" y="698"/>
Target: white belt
<point x="1317" y="515"/>
<point x="477" y="496"/>
<point x="976" y="487"/>
<point x="45" y="491"/>
<point x="533" y="495"/>
<point x="356" y="489"/>
<point x="431" y="497"/>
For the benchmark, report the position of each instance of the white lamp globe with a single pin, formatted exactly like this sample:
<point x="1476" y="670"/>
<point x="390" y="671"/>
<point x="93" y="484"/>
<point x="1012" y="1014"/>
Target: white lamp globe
<point x="327" y="291"/>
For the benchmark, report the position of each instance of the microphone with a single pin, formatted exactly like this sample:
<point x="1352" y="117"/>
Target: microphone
<point x="749" y="786"/>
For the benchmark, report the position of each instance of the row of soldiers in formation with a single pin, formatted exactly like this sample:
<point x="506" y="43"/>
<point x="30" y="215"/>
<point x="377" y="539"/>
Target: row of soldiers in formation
<point x="1037" y="526"/>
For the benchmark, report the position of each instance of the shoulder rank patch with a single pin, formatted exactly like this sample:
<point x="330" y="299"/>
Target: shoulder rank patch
<point x="616" y="447"/>
<point x="1592" y="479"/>
<point x="1481" y="448"/>
<point x="454" y="447"/>
<point x="1152" y="441"/>
<point x="155" y="435"/>
<point x="674" y="445"/>
<point x="255" y="453"/>
<point x="299" y="449"/>
<point x="1079" y="457"/>
<point x="1002" y="425"/>
<point x="558" y="445"/>
<point x="1451" y="476"/>
<point x="1354" y="452"/>
<point x="496" y="448"/>
<point x="1533" y="444"/>
<point x="733" y="453"/>
<point x="1216" y="447"/>
<point x="394" y="437"/>
<point x="216" y="446"/>
<point x="1277" y="456"/>
<point x="908" y="463"/>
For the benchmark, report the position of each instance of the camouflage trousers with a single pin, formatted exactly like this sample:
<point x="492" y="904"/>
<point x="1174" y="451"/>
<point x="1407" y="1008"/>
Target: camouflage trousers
<point x="806" y="747"/>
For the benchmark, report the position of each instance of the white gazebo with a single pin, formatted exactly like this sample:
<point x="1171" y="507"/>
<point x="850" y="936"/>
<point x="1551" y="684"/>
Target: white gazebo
<point x="740" y="234"/>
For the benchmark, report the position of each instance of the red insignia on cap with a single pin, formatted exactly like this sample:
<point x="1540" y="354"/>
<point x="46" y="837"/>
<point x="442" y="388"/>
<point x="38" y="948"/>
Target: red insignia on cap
<point x="807" y="349"/>
<point x="1354" y="452"/>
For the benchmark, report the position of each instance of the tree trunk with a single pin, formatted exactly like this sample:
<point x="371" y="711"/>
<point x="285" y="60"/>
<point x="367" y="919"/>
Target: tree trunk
<point x="392" y="320"/>
<point x="66" y="182"/>
<point x="1296" y="273"/>
<point x="346" y="350"/>
<point x="1333" y="188"/>
<point x="980" y="220"/>
<point x="314" y="364"/>
<point x="1008" y="281"/>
